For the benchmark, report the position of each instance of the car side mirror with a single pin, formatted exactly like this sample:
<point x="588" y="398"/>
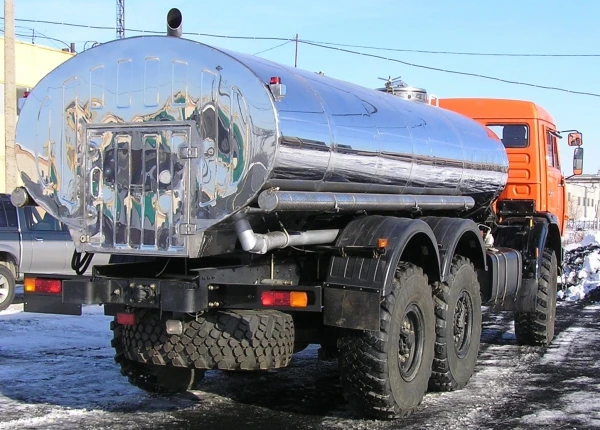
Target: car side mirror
<point x="575" y="139"/>
<point x="578" y="161"/>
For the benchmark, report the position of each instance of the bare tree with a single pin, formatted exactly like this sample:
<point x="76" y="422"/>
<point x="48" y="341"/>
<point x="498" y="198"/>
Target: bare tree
<point x="573" y="209"/>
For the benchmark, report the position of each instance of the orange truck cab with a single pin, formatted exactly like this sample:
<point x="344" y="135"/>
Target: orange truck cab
<point x="536" y="183"/>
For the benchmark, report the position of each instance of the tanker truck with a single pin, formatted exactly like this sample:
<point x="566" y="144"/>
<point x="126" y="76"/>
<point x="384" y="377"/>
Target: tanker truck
<point x="251" y="209"/>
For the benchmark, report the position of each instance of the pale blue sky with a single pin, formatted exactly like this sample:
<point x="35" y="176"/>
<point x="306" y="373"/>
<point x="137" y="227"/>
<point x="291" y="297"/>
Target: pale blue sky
<point x="510" y="26"/>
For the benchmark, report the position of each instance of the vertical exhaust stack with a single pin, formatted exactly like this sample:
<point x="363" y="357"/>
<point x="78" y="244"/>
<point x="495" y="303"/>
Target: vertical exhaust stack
<point x="174" y="20"/>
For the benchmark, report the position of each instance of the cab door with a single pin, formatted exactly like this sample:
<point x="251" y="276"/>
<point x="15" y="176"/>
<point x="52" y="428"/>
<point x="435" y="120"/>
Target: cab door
<point x="555" y="186"/>
<point x="44" y="243"/>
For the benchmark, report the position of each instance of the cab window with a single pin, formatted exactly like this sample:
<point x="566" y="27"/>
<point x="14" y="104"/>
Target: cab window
<point x="511" y="135"/>
<point x="40" y="220"/>
<point x="552" y="150"/>
<point x="8" y="215"/>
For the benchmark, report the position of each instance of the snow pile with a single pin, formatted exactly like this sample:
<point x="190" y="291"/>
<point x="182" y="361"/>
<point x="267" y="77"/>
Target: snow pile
<point x="581" y="279"/>
<point x="591" y="238"/>
<point x="575" y="238"/>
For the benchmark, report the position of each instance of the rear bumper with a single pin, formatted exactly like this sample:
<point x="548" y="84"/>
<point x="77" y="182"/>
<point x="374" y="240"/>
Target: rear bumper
<point x="182" y="296"/>
<point x="167" y="295"/>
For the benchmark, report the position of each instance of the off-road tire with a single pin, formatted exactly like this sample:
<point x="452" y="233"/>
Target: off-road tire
<point x="369" y="361"/>
<point x="150" y="377"/>
<point x="225" y="340"/>
<point x="537" y="328"/>
<point x="7" y="287"/>
<point x="457" y="327"/>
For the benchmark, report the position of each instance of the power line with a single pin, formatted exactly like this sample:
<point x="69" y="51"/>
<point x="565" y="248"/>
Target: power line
<point x="134" y="30"/>
<point x="36" y="34"/>
<point x="331" y="46"/>
<point x="419" y="51"/>
<point x="273" y="47"/>
<point x="455" y="72"/>
<point x="66" y="24"/>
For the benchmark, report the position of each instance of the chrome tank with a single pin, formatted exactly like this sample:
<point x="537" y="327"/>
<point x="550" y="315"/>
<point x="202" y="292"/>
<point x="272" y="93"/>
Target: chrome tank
<point x="142" y="144"/>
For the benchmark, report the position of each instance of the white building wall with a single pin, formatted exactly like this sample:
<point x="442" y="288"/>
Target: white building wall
<point x="583" y="200"/>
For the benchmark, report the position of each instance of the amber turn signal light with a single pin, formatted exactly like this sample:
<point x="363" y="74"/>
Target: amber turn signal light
<point x="42" y="285"/>
<point x="294" y="299"/>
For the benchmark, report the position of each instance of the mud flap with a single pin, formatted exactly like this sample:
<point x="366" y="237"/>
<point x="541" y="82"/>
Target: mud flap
<point x="49" y="304"/>
<point x="351" y="308"/>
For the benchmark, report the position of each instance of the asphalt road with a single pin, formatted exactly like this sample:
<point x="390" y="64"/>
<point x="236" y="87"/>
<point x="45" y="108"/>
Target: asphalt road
<point x="58" y="373"/>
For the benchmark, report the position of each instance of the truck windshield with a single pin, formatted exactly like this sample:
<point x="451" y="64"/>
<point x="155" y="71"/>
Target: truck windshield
<point x="511" y="135"/>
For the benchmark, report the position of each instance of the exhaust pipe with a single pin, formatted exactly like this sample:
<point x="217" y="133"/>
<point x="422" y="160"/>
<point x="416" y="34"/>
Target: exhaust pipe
<point x="174" y="20"/>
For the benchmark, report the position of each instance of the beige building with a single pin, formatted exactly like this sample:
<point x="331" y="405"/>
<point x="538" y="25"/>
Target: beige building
<point x="32" y="63"/>
<point x="583" y="197"/>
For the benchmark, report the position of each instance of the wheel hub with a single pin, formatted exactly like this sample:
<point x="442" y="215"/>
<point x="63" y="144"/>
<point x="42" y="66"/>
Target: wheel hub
<point x="463" y="324"/>
<point x="410" y="343"/>
<point x="4" y="289"/>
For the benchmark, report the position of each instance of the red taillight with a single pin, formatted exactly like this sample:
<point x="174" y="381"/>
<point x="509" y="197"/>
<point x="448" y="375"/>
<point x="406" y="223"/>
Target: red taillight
<point x="41" y="285"/>
<point x="125" y="318"/>
<point x="25" y="94"/>
<point x="275" y="298"/>
<point x="275" y="80"/>
<point x="295" y="299"/>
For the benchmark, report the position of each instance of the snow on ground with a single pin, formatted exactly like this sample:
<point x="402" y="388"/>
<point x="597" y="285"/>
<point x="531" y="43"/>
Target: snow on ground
<point x="58" y="372"/>
<point x="61" y="371"/>
<point x="581" y="279"/>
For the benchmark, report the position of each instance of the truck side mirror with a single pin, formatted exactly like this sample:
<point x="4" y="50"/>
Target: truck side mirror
<point x="578" y="161"/>
<point x="575" y="139"/>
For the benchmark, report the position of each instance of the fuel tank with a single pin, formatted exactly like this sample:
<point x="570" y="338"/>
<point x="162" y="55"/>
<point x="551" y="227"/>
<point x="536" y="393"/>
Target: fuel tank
<point x="142" y="143"/>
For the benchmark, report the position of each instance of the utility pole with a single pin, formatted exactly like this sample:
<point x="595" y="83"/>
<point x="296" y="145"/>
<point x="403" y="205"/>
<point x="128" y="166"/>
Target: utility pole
<point x="120" y="19"/>
<point x="296" y="56"/>
<point x="10" y="99"/>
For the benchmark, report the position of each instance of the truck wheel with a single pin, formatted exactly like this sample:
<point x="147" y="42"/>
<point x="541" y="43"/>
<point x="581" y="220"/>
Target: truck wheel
<point x="385" y="373"/>
<point x="537" y="328"/>
<point x="221" y="340"/>
<point x="7" y="287"/>
<point x="458" y="327"/>
<point x="150" y="377"/>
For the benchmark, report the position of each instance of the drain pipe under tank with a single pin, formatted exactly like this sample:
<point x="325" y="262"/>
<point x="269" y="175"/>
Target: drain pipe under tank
<point x="257" y="243"/>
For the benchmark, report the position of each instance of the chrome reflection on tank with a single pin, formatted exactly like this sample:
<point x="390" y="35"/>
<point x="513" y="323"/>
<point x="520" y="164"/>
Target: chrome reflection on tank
<point x="142" y="144"/>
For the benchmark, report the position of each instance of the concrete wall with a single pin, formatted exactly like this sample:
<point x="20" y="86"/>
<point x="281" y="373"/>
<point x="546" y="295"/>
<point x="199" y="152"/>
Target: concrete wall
<point x="33" y="62"/>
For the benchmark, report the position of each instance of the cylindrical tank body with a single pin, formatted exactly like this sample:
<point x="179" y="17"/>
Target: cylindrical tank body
<point x="139" y="144"/>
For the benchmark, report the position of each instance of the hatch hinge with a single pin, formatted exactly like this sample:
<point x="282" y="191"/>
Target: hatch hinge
<point x="187" y="229"/>
<point x="187" y="152"/>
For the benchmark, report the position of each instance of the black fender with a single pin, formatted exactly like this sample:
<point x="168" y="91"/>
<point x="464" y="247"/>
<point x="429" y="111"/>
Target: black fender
<point x="542" y="232"/>
<point x="545" y="235"/>
<point x="530" y="236"/>
<point x="457" y="236"/>
<point x="355" y="284"/>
